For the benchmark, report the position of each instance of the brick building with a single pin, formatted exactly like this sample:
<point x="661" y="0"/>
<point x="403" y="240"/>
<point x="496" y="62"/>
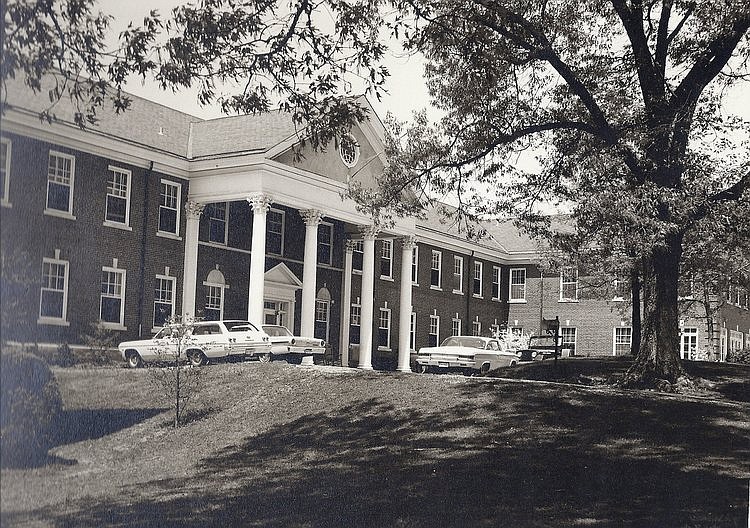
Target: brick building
<point x="156" y="213"/>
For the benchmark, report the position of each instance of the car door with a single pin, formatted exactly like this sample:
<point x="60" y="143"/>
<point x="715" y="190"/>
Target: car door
<point x="209" y="338"/>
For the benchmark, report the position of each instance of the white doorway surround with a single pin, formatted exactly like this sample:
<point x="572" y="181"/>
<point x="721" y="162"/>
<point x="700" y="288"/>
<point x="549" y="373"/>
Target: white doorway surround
<point x="281" y="286"/>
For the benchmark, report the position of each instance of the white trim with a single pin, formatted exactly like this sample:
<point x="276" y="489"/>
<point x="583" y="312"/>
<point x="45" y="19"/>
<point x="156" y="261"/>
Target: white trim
<point x="481" y="279"/>
<point x="71" y="185"/>
<point x="111" y="324"/>
<point x="614" y="338"/>
<point x="173" y="280"/>
<point x="512" y="299"/>
<point x="59" y="214"/>
<point x="45" y="319"/>
<point x="436" y="318"/>
<point x="353" y="140"/>
<point x="221" y="288"/>
<point x="226" y="223"/>
<point x="455" y="320"/>
<point x="415" y="266"/>
<point x="386" y="243"/>
<point x="458" y="259"/>
<point x="283" y="229"/>
<point x="169" y="234"/>
<point x="439" y="269"/>
<point x="128" y="184"/>
<point x="563" y="283"/>
<point x="413" y="331"/>
<point x="330" y="245"/>
<point x="380" y="318"/>
<point x="499" y="282"/>
<point x="5" y="198"/>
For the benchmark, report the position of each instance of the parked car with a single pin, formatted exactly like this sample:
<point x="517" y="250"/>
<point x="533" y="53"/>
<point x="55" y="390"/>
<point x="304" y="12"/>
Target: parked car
<point x="203" y="341"/>
<point x="284" y="343"/>
<point x="541" y="348"/>
<point x="468" y="353"/>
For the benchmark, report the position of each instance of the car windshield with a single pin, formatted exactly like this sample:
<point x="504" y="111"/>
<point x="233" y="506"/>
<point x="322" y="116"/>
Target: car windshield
<point x="473" y="342"/>
<point x="277" y="331"/>
<point x="239" y="326"/>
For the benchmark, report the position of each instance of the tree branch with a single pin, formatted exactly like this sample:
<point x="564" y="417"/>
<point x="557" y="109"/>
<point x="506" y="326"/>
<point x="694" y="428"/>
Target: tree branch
<point x="732" y="193"/>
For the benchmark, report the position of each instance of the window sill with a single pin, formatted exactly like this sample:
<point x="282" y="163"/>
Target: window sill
<point x="384" y="349"/>
<point x="6" y="203"/>
<point x="618" y="299"/>
<point x="477" y="296"/>
<point x="59" y="214"/>
<point x="116" y="225"/>
<point x="356" y="272"/>
<point x="112" y="326"/>
<point x="386" y="278"/>
<point x="52" y="321"/>
<point x="497" y="299"/>
<point x="517" y="301"/>
<point x="416" y="284"/>
<point x="437" y="288"/>
<point x="564" y="301"/>
<point x="458" y="292"/>
<point x="166" y="234"/>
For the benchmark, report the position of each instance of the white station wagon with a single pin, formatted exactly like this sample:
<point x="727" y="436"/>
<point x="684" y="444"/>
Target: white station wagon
<point x="204" y="340"/>
<point x="469" y="353"/>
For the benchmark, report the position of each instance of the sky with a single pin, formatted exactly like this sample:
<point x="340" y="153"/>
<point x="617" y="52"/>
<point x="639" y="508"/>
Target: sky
<point x="406" y="88"/>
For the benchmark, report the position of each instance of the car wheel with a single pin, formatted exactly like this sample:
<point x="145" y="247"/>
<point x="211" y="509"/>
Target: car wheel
<point x="196" y="358"/>
<point x="134" y="360"/>
<point x="484" y="369"/>
<point x="421" y="369"/>
<point x="513" y="363"/>
<point x="264" y="358"/>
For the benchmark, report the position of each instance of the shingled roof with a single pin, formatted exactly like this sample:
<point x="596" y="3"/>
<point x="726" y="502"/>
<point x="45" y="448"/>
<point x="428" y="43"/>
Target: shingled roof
<point x="243" y="133"/>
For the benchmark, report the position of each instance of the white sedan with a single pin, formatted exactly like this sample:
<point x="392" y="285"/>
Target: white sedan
<point x="284" y="343"/>
<point x="470" y="353"/>
<point x="201" y="341"/>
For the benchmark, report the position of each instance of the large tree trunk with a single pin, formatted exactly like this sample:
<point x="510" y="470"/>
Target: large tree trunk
<point x="659" y="354"/>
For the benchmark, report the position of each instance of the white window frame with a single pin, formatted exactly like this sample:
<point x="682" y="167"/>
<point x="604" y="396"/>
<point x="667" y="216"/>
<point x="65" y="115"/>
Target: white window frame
<point x="329" y="225"/>
<point x="478" y="265"/>
<point x="615" y="341"/>
<point x="5" y="198"/>
<point x="434" y="324"/>
<point x="119" y="325"/>
<point x="458" y="263"/>
<point x="511" y="298"/>
<point x="387" y="311"/>
<point x="178" y="189"/>
<point x="439" y="255"/>
<point x="386" y="254"/>
<point x="575" y="337"/>
<point x="173" y="280"/>
<point x="59" y="212"/>
<point x="476" y="327"/>
<point x="226" y="224"/>
<point x="563" y="283"/>
<point x="415" y="266"/>
<point x="46" y="319"/>
<point x="413" y="331"/>
<point x="496" y="274"/>
<point x="359" y="247"/>
<point x="221" y="288"/>
<point x="616" y="285"/>
<point x="283" y="229"/>
<point x="112" y="170"/>
<point x="354" y="320"/>
<point x="685" y="334"/>
<point x="455" y="326"/>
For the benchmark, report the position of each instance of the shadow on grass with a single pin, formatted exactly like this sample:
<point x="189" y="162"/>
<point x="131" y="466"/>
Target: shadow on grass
<point x="506" y="455"/>
<point x="89" y="424"/>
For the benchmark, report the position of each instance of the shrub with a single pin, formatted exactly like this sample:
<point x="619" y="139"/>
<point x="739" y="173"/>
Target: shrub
<point x="739" y="356"/>
<point x="30" y="405"/>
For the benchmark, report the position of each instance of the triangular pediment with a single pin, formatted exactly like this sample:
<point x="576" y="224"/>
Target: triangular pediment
<point x="281" y="275"/>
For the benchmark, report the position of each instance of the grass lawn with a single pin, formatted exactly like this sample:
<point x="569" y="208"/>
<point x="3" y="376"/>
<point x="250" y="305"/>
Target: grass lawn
<point x="280" y="445"/>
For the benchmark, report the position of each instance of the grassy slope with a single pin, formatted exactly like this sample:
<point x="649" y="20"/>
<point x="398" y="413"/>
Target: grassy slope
<point x="278" y="445"/>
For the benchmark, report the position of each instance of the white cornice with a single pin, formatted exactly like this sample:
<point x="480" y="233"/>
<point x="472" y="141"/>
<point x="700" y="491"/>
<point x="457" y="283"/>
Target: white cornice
<point x="94" y="142"/>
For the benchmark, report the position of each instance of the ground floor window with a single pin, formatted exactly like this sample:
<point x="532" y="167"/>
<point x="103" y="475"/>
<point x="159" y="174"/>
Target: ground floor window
<point x="476" y="328"/>
<point x="275" y="313"/>
<point x="735" y="340"/>
<point x="455" y="326"/>
<point x="163" y="300"/>
<point x="322" y="312"/>
<point x="112" y="298"/>
<point x="688" y="343"/>
<point x="384" y="328"/>
<point x="623" y="340"/>
<point x="568" y="339"/>
<point x="54" y="291"/>
<point x="413" y="332"/>
<point x="354" y="319"/>
<point x="432" y="336"/>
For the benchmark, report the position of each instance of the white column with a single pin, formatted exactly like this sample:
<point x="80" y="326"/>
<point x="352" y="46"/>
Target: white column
<point x="193" y="212"/>
<point x="309" y="271"/>
<point x="367" y="298"/>
<point x="260" y="204"/>
<point x="404" y="308"/>
<point x="346" y="303"/>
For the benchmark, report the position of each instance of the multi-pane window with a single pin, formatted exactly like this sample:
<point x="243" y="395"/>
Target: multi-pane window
<point x="495" y="282"/>
<point x="54" y="293"/>
<point x="5" y="149"/>
<point x="432" y="336"/>
<point x="568" y="339"/>
<point x="623" y="340"/>
<point x="325" y="243"/>
<point x="455" y="326"/>
<point x="112" y="299"/>
<point x="275" y="232"/>
<point x="688" y="343"/>
<point x="384" y="328"/>
<point x="619" y="290"/>
<point x="386" y="259"/>
<point x="118" y="196"/>
<point x="355" y="316"/>
<point x="518" y="284"/>
<point x="214" y="310"/>
<point x="458" y="274"/>
<point x="217" y="222"/>
<point x="358" y="255"/>
<point x="476" y="328"/>
<point x="494" y="330"/>
<point x="435" y="263"/>
<point x="414" y="264"/>
<point x="163" y="300"/>
<point x="413" y="331"/>
<point x="569" y="284"/>
<point x="478" y="269"/>
<point x="322" y="310"/>
<point x="169" y="207"/>
<point x="60" y="179"/>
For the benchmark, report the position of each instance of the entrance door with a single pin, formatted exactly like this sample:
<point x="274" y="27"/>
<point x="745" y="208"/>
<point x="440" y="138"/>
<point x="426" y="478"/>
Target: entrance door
<point x="275" y="312"/>
<point x="689" y="343"/>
